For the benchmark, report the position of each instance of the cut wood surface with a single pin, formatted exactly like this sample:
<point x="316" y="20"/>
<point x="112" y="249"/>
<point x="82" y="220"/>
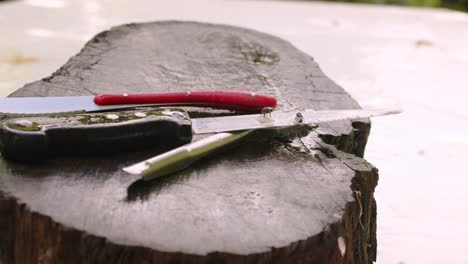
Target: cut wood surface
<point x="309" y="201"/>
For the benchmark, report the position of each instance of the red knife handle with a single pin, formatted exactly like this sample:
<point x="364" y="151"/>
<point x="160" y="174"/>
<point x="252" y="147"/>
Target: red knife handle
<point x="237" y="101"/>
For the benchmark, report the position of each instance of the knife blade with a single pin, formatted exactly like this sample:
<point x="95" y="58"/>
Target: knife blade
<point x="280" y="119"/>
<point x="239" y="101"/>
<point x="182" y="157"/>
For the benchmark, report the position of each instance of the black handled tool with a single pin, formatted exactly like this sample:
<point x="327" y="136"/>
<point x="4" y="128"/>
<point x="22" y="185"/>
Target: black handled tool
<point x="36" y="138"/>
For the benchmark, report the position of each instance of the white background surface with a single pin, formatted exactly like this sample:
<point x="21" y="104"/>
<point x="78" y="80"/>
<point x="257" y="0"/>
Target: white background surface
<point x="371" y="51"/>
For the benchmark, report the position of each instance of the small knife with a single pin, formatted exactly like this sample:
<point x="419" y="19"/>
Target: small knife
<point x="231" y="129"/>
<point x="229" y="100"/>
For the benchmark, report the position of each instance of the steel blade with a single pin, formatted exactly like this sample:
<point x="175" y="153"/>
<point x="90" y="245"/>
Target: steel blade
<point x="281" y="119"/>
<point x="58" y="104"/>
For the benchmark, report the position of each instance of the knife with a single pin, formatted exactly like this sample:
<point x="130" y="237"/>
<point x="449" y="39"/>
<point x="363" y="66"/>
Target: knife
<point x="232" y="129"/>
<point x="35" y="138"/>
<point x="238" y="101"/>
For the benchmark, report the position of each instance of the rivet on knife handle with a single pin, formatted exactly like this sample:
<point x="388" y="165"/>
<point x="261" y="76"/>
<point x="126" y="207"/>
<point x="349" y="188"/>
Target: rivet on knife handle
<point x="230" y="100"/>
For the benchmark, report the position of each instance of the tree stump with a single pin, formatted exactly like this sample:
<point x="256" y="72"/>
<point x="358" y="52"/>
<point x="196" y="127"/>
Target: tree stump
<point x="260" y="202"/>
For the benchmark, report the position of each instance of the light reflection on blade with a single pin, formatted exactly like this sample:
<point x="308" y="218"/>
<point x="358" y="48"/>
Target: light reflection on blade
<point x="280" y="119"/>
<point x="45" y="105"/>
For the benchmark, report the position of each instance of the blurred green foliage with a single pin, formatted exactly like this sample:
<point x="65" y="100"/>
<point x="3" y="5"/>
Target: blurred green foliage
<point x="461" y="5"/>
